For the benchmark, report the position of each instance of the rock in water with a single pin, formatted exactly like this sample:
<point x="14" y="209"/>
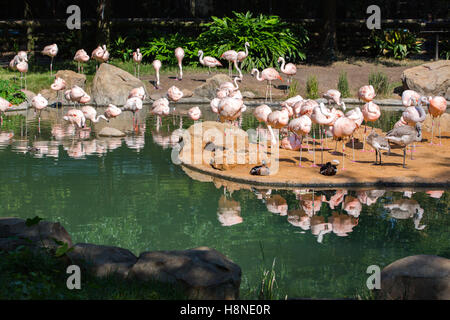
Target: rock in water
<point x="112" y="85"/>
<point x="111" y="132"/>
<point x="72" y="78"/>
<point x="208" y="89"/>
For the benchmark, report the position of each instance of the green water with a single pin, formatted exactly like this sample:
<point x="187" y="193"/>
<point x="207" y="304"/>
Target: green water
<point x="127" y="192"/>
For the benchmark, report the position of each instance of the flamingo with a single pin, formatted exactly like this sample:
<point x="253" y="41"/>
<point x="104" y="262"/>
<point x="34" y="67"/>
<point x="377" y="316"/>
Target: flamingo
<point x="343" y="127"/>
<point x="411" y="116"/>
<point x="334" y="95"/>
<point x="179" y="54"/>
<point x="214" y="104"/>
<point x="371" y="112"/>
<point x="231" y="56"/>
<point x="133" y="104"/>
<point x="208" y="61"/>
<point x="322" y="116"/>
<point x="39" y="103"/>
<point x="289" y="69"/>
<point x="77" y="94"/>
<point x="436" y="107"/>
<point x="291" y="102"/>
<point x="51" y="51"/>
<point x="157" y="65"/>
<point x="230" y="109"/>
<point x="91" y="114"/>
<point x="194" y="113"/>
<point x="160" y="108"/>
<point x="58" y="85"/>
<point x="137" y="93"/>
<point x="137" y="58"/>
<point x="378" y="143"/>
<point x="261" y="113"/>
<point x="81" y="57"/>
<point x="268" y="74"/>
<point x="357" y="116"/>
<point x="100" y="54"/>
<point x="366" y="93"/>
<point x="112" y="111"/>
<point x="300" y="127"/>
<point x="22" y="67"/>
<point x="277" y="120"/>
<point x="242" y="55"/>
<point x="410" y="98"/>
<point x="174" y="93"/>
<point x="21" y="56"/>
<point x="4" y="105"/>
<point x="75" y="117"/>
<point x="404" y="136"/>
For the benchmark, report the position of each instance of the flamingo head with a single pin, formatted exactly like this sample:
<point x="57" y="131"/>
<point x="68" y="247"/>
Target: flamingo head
<point x="280" y="59"/>
<point x="200" y="52"/>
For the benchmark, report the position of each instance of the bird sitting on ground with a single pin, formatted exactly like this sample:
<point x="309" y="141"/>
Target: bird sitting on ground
<point x="261" y="170"/>
<point x="378" y="143"/>
<point x="328" y="169"/>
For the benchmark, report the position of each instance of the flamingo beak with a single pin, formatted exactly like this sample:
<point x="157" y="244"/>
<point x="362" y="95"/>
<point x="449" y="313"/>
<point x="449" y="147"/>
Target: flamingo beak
<point x="281" y="78"/>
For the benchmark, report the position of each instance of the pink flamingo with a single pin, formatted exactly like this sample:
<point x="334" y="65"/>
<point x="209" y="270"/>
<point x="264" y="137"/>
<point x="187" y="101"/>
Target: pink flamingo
<point x="410" y="98"/>
<point x="371" y="112"/>
<point x="277" y="120"/>
<point x="291" y="102"/>
<point x="366" y="93"/>
<point x="21" y="56"/>
<point x="305" y="107"/>
<point x="231" y="56"/>
<point x="77" y="95"/>
<point x="133" y="104"/>
<point x="39" y="103"/>
<point x="91" y="114"/>
<point x="4" y="105"/>
<point x="137" y="58"/>
<point x="75" y="117"/>
<point x="261" y="113"/>
<point x="357" y="116"/>
<point x="137" y="93"/>
<point x="157" y="65"/>
<point x="334" y="95"/>
<point x="436" y="107"/>
<point x="58" y="85"/>
<point x="179" y="54"/>
<point x="268" y="74"/>
<point x="51" y="51"/>
<point x="288" y="69"/>
<point x="194" y="113"/>
<point x="242" y="55"/>
<point x="81" y="57"/>
<point x="214" y="104"/>
<point x="343" y="127"/>
<point x="300" y="127"/>
<point x="112" y="111"/>
<point x="208" y="61"/>
<point x="322" y="116"/>
<point x="160" y="108"/>
<point x="411" y="116"/>
<point x="22" y="67"/>
<point x="174" y="93"/>
<point x="100" y="54"/>
<point x="230" y="109"/>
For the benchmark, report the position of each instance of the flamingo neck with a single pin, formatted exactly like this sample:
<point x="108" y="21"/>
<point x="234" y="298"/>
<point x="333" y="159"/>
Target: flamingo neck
<point x="201" y="58"/>
<point x="283" y="62"/>
<point x="258" y="77"/>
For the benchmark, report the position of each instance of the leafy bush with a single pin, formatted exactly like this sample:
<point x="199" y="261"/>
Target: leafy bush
<point x="343" y="85"/>
<point x="380" y="83"/>
<point x="293" y="89"/>
<point x="312" y="88"/>
<point x="11" y="92"/>
<point x="119" y="49"/>
<point x="394" y="43"/>
<point x="268" y="36"/>
<point x="444" y="49"/>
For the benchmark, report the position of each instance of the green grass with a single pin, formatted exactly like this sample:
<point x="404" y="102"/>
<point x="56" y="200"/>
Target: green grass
<point x="380" y="82"/>
<point x="27" y="274"/>
<point x="312" y="88"/>
<point x="342" y="85"/>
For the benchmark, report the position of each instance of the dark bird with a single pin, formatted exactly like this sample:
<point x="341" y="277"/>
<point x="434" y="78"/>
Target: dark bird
<point x="378" y="143"/>
<point x="261" y="170"/>
<point x="404" y="136"/>
<point x="328" y="169"/>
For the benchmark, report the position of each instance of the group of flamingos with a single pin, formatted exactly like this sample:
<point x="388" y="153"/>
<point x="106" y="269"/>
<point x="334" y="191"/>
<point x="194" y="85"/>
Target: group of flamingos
<point x="296" y="114"/>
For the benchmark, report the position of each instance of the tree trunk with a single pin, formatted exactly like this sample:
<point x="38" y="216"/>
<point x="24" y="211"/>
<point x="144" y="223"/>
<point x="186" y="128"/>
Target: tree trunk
<point x="329" y="45"/>
<point x="103" y="22"/>
<point x="27" y="15"/>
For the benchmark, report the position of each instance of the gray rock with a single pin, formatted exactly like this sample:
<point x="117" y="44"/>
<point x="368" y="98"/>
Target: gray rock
<point x="72" y="78"/>
<point x="156" y="96"/>
<point x="203" y="273"/>
<point x="103" y="260"/>
<point x="111" y="132"/>
<point x="187" y="93"/>
<point x="430" y="79"/>
<point x="248" y="94"/>
<point x="112" y="85"/>
<point x="39" y="235"/>
<point x="208" y="89"/>
<point x="29" y="94"/>
<point x="423" y="277"/>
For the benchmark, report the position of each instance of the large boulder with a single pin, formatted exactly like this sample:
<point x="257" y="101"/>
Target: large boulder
<point x="208" y="89"/>
<point x="421" y="277"/>
<point x="430" y="79"/>
<point x="203" y="273"/>
<point x="72" y="78"/>
<point x="103" y="260"/>
<point x="15" y="232"/>
<point x="112" y="85"/>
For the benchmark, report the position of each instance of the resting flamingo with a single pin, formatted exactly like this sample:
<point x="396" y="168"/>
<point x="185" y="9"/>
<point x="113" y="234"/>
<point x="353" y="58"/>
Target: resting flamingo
<point x="174" y="93"/>
<point x="58" y="85"/>
<point x="194" y="113"/>
<point x="371" y="113"/>
<point x="268" y="74"/>
<point x="51" y="51"/>
<point x="100" y="54"/>
<point x="277" y="120"/>
<point x="436" y="107"/>
<point x="157" y="65"/>
<point x="357" y="116"/>
<point x="343" y="127"/>
<point x="4" y="105"/>
<point x="289" y="69"/>
<point x="160" y="108"/>
<point x="112" y="111"/>
<point x="300" y="127"/>
<point x="133" y="104"/>
<point x="208" y="61"/>
<point x="39" y="103"/>
<point x="410" y="98"/>
<point x="137" y="59"/>
<point x="137" y="92"/>
<point x="261" y="113"/>
<point x="22" y="67"/>
<point x="322" y="116"/>
<point x="81" y="57"/>
<point x="76" y="117"/>
<point x="179" y="54"/>
<point x="366" y="93"/>
<point x="334" y="95"/>
<point x="230" y="109"/>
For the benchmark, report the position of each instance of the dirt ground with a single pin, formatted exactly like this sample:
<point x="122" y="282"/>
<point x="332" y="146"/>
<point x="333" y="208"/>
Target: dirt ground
<point x="430" y="165"/>
<point x="327" y="76"/>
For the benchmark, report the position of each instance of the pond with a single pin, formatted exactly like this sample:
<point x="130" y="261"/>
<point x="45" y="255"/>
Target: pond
<point x="126" y="192"/>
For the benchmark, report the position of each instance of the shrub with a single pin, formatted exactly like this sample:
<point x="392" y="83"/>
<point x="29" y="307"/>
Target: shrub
<point x="380" y="83"/>
<point x="268" y="36"/>
<point x="444" y="49"/>
<point x="312" y="88"/>
<point x="11" y="92"/>
<point x="119" y="49"/>
<point x="293" y="89"/>
<point x="394" y="43"/>
<point x="343" y="85"/>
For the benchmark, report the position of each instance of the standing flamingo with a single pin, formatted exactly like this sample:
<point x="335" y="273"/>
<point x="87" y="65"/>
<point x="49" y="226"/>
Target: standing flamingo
<point x="100" y="54"/>
<point x="174" y="93"/>
<point x="404" y="136"/>
<point x="300" y="127"/>
<point x="112" y="112"/>
<point x="410" y="98"/>
<point x="343" y="127"/>
<point x="277" y="120"/>
<point x="371" y="112"/>
<point x="138" y="93"/>
<point x="91" y="114"/>
<point x="208" y="61"/>
<point x="157" y="65"/>
<point x="231" y="56"/>
<point x="39" y="103"/>
<point x="137" y="58"/>
<point x="268" y="74"/>
<point x="4" y="105"/>
<point x="194" y="113"/>
<point x="51" y="51"/>
<point x="22" y="67"/>
<point x="357" y="116"/>
<point x="81" y="57"/>
<point x="58" y="85"/>
<point x="334" y="95"/>
<point x="160" y="108"/>
<point x="378" y="143"/>
<point x="436" y="107"/>
<point x="75" y="117"/>
<point x="133" y="104"/>
<point x="322" y="116"/>
<point x="242" y="55"/>
<point x="21" y="56"/>
<point x="261" y="113"/>
<point x="366" y="93"/>
<point x="288" y="69"/>
<point x="179" y="54"/>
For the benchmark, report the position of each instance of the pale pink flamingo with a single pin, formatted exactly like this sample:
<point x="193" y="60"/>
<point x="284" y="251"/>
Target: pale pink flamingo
<point x="112" y="111"/>
<point x="58" y="85"/>
<point x="242" y="55"/>
<point x="410" y="98"/>
<point x="291" y="142"/>
<point x="157" y="65"/>
<point x="268" y="74"/>
<point x="371" y="112"/>
<point x="4" y="105"/>
<point x="305" y="107"/>
<point x="39" y="103"/>
<point x="261" y="113"/>
<point x="137" y="59"/>
<point x="137" y="93"/>
<point x="160" y="108"/>
<point x="75" y="117"/>
<point x="81" y="57"/>
<point x="334" y="95"/>
<point x="231" y="56"/>
<point x="357" y="116"/>
<point x="174" y="93"/>
<point x="366" y="93"/>
<point x="208" y="61"/>
<point x="230" y="109"/>
<point x="289" y="69"/>
<point x="277" y="119"/>
<point x="411" y="116"/>
<point x="300" y="127"/>
<point x="292" y="101"/>
<point x="194" y="113"/>
<point x="133" y="104"/>
<point x="91" y="114"/>
<point x="21" y="56"/>
<point x="343" y="127"/>
<point x="51" y="51"/>
<point x="22" y="67"/>
<point x="404" y="136"/>
<point x="179" y="54"/>
<point x="436" y="107"/>
<point x="214" y="104"/>
<point x="323" y="117"/>
<point x="100" y="54"/>
<point x="77" y="95"/>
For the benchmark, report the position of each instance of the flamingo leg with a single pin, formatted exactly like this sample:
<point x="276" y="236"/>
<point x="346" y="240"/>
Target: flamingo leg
<point x="404" y="157"/>
<point x="439" y="125"/>
<point x="321" y="144"/>
<point x="343" y="155"/>
<point x="353" y="147"/>
<point x="364" y="139"/>
<point x="432" y="130"/>
<point x="51" y="66"/>
<point x="301" y="150"/>
<point x="274" y="141"/>
<point x="314" y="149"/>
